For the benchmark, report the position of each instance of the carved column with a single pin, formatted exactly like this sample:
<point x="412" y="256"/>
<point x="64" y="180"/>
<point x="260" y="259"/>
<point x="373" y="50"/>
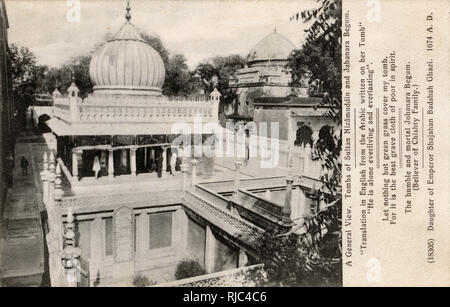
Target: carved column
<point x="210" y="243"/>
<point x="286" y="213"/>
<point x="58" y="194"/>
<point x="44" y="179"/>
<point x="51" y="182"/>
<point x="237" y="169"/>
<point x="71" y="254"/>
<point x="55" y="236"/>
<point x="164" y="162"/>
<point x="145" y="158"/>
<point x="133" y="161"/>
<point x="194" y="163"/>
<point x="111" y="163"/>
<point x="75" y="154"/>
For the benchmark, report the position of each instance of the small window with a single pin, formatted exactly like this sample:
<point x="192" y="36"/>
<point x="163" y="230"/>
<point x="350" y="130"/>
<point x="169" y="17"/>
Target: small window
<point x="108" y="222"/>
<point x="160" y="230"/>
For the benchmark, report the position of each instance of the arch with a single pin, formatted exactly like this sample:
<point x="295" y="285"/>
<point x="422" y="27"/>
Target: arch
<point x="42" y="126"/>
<point x="303" y="136"/>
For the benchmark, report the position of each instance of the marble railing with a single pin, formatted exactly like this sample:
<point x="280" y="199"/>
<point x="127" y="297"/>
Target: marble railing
<point x="162" y="113"/>
<point x="94" y="109"/>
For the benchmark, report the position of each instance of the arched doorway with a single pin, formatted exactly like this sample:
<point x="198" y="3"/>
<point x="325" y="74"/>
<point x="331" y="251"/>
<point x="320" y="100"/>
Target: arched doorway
<point x="42" y="126"/>
<point x="303" y="136"/>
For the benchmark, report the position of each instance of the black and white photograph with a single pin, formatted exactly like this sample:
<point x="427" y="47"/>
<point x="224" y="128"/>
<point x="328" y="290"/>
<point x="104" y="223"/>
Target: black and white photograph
<point x="170" y="143"/>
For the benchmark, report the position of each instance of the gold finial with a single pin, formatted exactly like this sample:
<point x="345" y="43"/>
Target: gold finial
<point x="128" y="15"/>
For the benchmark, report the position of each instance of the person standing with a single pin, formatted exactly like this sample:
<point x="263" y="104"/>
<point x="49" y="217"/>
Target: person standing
<point x="24" y="166"/>
<point x="96" y="166"/>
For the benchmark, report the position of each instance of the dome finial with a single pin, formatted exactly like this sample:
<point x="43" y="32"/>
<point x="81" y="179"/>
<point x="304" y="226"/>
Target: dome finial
<point x="128" y="15"/>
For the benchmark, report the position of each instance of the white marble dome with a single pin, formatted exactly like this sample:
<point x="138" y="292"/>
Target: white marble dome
<point x="271" y="48"/>
<point x="127" y="65"/>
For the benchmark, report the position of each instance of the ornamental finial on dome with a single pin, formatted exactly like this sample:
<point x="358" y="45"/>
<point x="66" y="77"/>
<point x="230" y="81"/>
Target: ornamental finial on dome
<point x="128" y="15"/>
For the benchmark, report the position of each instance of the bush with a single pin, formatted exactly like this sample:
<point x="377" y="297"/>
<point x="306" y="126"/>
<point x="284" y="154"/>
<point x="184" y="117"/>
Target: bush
<point x="189" y="268"/>
<point x="140" y="280"/>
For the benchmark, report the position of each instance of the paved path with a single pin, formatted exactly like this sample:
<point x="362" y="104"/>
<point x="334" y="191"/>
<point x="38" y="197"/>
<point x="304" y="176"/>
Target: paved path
<point x="22" y="248"/>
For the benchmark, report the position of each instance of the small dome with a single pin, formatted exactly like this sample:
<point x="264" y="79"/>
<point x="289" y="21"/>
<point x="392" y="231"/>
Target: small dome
<point x="273" y="47"/>
<point x="127" y="64"/>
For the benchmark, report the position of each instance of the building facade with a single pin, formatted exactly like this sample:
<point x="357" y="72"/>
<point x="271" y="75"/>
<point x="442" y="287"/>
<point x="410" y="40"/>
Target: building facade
<point x="7" y="136"/>
<point x="265" y="75"/>
<point x="123" y="196"/>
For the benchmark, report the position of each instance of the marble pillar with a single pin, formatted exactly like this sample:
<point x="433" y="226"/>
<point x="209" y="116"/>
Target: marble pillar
<point x="287" y="210"/>
<point x="194" y="163"/>
<point x="75" y="154"/>
<point x="44" y="179"/>
<point x="237" y="170"/>
<point x="210" y="243"/>
<point x="133" y="161"/>
<point x="164" y="162"/>
<point x="111" y="163"/>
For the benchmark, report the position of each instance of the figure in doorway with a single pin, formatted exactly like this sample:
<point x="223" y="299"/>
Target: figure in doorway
<point x="24" y="166"/>
<point x="96" y="166"/>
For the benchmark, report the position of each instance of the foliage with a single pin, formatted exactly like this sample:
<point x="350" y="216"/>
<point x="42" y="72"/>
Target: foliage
<point x="320" y="56"/>
<point x="25" y="74"/>
<point x="216" y="72"/>
<point x="310" y="254"/>
<point x="189" y="268"/>
<point x="292" y="260"/>
<point x="140" y="280"/>
<point x="179" y="80"/>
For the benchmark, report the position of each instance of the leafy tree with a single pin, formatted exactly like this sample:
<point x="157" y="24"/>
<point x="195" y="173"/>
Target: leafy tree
<point x="216" y="72"/>
<point x="61" y="77"/>
<point x="310" y="254"/>
<point x="179" y="80"/>
<point x="25" y="73"/>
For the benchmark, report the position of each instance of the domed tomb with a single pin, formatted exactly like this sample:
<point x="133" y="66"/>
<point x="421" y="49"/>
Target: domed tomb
<point x="126" y="64"/>
<point x="274" y="47"/>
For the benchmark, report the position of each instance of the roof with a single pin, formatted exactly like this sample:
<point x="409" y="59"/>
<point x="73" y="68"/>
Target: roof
<point x="272" y="47"/>
<point x="127" y="62"/>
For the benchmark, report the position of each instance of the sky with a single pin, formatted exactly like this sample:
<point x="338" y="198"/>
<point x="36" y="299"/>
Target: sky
<point x="198" y="29"/>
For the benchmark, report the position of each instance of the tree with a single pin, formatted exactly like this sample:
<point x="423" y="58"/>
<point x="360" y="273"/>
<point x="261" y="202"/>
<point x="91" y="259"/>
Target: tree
<point x="76" y="68"/>
<point x="314" y="256"/>
<point x="25" y="72"/>
<point x="216" y="72"/>
<point x="179" y="80"/>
